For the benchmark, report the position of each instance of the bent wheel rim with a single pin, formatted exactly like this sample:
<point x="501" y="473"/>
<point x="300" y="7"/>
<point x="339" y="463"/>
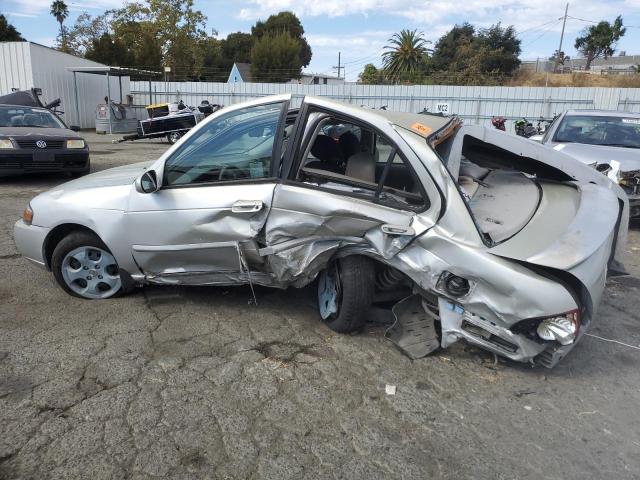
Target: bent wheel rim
<point x="91" y="272"/>
<point x="329" y="292"/>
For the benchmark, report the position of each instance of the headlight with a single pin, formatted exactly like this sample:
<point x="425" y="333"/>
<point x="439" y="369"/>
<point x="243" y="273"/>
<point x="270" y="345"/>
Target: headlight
<point x="5" y="143"/>
<point x="75" y="144"/>
<point x="562" y="328"/>
<point x="27" y="215"/>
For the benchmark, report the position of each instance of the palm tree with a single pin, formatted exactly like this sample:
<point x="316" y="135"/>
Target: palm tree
<point x="405" y="56"/>
<point x="60" y="11"/>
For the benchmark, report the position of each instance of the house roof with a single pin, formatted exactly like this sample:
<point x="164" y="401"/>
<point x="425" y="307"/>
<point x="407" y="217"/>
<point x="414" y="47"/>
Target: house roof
<point x="245" y="71"/>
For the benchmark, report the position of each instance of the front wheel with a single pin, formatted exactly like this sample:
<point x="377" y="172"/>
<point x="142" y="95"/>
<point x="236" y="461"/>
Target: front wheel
<point x="345" y="293"/>
<point x="173" y="137"/>
<point x="84" y="267"/>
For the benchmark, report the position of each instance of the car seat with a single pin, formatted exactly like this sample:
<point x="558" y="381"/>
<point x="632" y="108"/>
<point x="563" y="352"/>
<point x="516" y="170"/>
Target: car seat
<point x="349" y="144"/>
<point x="361" y="166"/>
<point x="326" y="150"/>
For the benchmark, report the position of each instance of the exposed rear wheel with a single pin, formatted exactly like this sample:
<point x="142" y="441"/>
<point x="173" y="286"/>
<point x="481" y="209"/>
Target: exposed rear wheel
<point x="83" y="266"/>
<point x="345" y="293"/>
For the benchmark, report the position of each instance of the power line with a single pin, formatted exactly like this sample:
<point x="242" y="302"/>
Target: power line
<point x="535" y="28"/>
<point x="542" y="34"/>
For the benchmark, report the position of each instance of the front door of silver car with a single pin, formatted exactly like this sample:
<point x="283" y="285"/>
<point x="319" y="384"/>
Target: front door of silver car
<point x="213" y="197"/>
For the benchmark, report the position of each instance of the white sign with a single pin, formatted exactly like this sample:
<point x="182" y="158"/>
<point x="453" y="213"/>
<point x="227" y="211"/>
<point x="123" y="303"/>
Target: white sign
<point x="442" y="108"/>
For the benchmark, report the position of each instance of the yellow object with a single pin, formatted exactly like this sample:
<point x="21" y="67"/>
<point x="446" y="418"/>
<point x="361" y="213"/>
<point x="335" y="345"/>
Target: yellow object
<point x="421" y="129"/>
<point x="27" y="215"/>
<point x="157" y="105"/>
<point x="75" y="144"/>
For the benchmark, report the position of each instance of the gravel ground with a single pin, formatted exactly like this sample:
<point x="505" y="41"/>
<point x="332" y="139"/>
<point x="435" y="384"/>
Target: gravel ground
<point x="200" y="383"/>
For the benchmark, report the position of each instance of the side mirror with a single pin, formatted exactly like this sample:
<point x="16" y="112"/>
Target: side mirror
<point x="147" y="182"/>
<point x="74" y="128"/>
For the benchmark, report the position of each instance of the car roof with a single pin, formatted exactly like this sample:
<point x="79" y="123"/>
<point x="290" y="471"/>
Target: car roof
<point x="421" y="124"/>
<point x="602" y="113"/>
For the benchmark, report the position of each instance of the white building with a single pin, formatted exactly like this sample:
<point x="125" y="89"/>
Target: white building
<point x="25" y="65"/>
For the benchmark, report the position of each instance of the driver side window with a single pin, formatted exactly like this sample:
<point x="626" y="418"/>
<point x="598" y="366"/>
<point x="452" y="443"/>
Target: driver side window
<point x="235" y="146"/>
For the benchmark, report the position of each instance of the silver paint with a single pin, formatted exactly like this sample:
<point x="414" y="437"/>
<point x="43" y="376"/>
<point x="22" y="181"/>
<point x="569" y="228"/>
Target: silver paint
<point x="283" y="234"/>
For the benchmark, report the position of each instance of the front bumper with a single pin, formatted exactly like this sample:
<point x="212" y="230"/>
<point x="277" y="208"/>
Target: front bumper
<point x="458" y="324"/>
<point x="29" y="240"/>
<point x="16" y="162"/>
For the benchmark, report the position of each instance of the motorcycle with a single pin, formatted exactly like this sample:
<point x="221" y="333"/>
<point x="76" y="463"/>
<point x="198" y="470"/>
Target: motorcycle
<point x="498" y="123"/>
<point x="524" y="128"/>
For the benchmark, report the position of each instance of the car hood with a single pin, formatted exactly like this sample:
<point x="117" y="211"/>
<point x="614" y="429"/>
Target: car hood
<point x="38" y="132"/>
<point x="628" y="158"/>
<point x="124" y="175"/>
<point x="105" y="190"/>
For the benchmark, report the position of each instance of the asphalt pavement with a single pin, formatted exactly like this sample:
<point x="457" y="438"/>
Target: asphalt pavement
<point x="201" y="383"/>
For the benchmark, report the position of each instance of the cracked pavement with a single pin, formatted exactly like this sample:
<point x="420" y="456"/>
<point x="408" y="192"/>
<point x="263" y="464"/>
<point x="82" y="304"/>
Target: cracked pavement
<point x="200" y="383"/>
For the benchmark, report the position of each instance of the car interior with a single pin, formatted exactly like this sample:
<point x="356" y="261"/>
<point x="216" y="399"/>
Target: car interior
<point x="355" y="159"/>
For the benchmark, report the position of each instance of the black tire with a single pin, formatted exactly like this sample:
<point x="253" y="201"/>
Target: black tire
<point x="356" y="277"/>
<point x="173" y="137"/>
<point x="76" y="240"/>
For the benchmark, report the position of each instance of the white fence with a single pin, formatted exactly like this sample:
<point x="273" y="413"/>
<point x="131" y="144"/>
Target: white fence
<point x="474" y="104"/>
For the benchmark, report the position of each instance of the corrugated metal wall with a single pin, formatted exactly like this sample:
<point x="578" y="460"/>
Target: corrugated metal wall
<point x="15" y="66"/>
<point x="26" y="65"/>
<point x="474" y="104"/>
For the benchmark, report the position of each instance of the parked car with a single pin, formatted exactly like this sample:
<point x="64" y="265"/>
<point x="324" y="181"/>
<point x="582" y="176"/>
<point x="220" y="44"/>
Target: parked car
<point x="35" y="140"/>
<point x="469" y="233"/>
<point x="606" y="140"/>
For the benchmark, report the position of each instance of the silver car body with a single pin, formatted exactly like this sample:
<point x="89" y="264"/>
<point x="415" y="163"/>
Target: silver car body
<point x="281" y="233"/>
<point x="616" y="162"/>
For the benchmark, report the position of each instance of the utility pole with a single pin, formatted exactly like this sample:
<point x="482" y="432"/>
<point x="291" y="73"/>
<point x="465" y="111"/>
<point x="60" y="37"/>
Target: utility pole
<point x="339" y="67"/>
<point x="564" y="22"/>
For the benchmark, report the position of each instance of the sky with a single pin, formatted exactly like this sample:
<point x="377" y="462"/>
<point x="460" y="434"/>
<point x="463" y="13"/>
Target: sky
<point x="359" y="29"/>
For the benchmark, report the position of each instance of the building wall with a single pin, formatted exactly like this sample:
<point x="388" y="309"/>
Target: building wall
<point x="234" y="76"/>
<point x="473" y="104"/>
<point x="26" y="65"/>
<point x="15" y="66"/>
<point x="50" y="73"/>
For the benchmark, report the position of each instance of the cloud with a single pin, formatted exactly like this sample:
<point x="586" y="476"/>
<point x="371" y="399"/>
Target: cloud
<point x="429" y="14"/>
<point x="22" y="15"/>
<point x="34" y="8"/>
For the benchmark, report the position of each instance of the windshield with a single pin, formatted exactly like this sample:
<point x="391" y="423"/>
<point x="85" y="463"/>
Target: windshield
<point x="28" y="117"/>
<point x="600" y="130"/>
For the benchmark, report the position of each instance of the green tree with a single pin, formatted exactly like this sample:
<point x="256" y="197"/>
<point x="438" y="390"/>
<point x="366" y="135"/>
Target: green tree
<point x="446" y="48"/>
<point x="8" y="32"/>
<point x="468" y="56"/>
<point x="275" y="58"/>
<point x="600" y="40"/>
<point x="370" y="75"/>
<point x="110" y="51"/>
<point x="173" y="25"/>
<point x="85" y="31"/>
<point x="237" y="48"/>
<point x="502" y="49"/>
<point x="285" y="22"/>
<point x="406" y="56"/>
<point x="60" y="11"/>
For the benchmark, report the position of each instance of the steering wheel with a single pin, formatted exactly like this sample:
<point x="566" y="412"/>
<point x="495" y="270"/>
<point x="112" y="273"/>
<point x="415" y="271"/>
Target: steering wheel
<point x="229" y="172"/>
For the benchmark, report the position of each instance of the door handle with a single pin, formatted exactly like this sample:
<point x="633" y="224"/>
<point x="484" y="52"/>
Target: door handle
<point x="398" y="230"/>
<point x="247" y="206"/>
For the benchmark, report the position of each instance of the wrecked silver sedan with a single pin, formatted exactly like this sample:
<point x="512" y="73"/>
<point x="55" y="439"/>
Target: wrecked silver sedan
<point x="462" y="231"/>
